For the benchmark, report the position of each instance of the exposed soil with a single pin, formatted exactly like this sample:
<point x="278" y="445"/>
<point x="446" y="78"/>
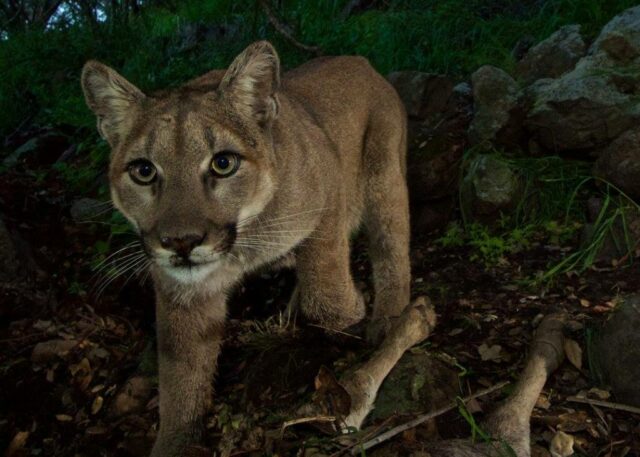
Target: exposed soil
<point x="71" y="404"/>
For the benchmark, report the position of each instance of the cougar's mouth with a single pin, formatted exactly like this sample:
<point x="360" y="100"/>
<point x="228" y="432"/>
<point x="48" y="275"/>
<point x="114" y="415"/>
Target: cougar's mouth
<point x="187" y="271"/>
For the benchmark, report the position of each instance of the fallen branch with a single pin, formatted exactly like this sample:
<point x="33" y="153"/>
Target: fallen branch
<point x="423" y="418"/>
<point x="282" y="29"/>
<point x="304" y="420"/>
<point x="605" y="404"/>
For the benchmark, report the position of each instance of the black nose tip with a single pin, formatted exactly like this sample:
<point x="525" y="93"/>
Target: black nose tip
<point x="182" y="245"/>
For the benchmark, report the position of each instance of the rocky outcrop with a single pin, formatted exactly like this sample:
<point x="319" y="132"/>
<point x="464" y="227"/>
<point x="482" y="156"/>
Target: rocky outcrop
<point x="617" y="351"/>
<point x="423" y="94"/>
<point x="489" y="187"/>
<point x="554" y="56"/>
<point x="439" y="115"/>
<point x="619" y="163"/>
<point x="588" y="107"/>
<point x="495" y="95"/>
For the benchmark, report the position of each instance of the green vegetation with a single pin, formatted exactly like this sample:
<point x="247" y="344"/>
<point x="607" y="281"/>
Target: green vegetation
<point x="552" y="208"/>
<point x="159" y="46"/>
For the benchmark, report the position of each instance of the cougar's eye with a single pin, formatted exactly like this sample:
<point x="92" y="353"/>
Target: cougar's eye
<point x="225" y="164"/>
<point x="142" y="172"/>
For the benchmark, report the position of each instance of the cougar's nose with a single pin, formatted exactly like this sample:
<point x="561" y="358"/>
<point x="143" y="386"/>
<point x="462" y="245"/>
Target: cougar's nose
<point x="182" y="245"/>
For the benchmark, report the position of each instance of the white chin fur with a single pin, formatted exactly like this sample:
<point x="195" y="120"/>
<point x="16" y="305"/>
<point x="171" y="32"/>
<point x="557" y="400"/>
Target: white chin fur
<point x="193" y="274"/>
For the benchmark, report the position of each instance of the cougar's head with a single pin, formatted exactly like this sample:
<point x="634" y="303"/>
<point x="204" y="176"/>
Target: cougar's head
<point x="188" y="165"/>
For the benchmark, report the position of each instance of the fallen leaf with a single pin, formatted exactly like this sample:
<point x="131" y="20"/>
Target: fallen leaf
<point x="97" y="404"/>
<point x="489" y="352"/>
<point x="561" y="445"/>
<point x="573" y="422"/>
<point x="543" y="402"/>
<point x="573" y="352"/>
<point x="600" y="394"/>
<point x="64" y="417"/>
<point x="17" y="444"/>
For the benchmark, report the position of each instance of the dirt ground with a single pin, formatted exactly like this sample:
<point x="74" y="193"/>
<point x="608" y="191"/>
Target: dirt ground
<point x="94" y="393"/>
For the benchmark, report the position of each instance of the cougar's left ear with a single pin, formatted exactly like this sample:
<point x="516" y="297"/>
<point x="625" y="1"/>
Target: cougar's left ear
<point x="112" y="99"/>
<point x="251" y="82"/>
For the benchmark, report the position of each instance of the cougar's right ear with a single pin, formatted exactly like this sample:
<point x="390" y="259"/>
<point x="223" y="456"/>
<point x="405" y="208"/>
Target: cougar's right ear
<point x="251" y="82"/>
<point x="112" y="98"/>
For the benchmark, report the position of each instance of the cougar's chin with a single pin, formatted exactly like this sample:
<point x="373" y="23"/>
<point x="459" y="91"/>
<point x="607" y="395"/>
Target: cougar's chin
<point x="192" y="273"/>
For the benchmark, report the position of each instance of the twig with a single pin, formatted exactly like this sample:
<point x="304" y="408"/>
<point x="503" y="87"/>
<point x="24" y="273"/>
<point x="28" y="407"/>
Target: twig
<point x="304" y="420"/>
<point x="423" y="418"/>
<point x="282" y="29"/>
<point x="366" y="435"/>
<point x="330" y="330"/>
<point x="605" y="404"/>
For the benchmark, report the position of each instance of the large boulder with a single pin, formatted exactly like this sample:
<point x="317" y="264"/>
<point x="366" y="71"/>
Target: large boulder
<point x="423" y="94"/>
<point x="620" y="38"/>
<point x="617" y="351"/>
<point x="554" y="56"/>
<point x="495" y="96"/>
<point x="588" y="107"/>
<point x="619" y="163"/>
<point x="489" y="187"/>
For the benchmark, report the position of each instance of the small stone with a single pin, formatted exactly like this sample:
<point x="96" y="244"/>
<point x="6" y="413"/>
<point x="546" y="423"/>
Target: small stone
<point x="49" y="350"/>
<point x="134" y="396"/>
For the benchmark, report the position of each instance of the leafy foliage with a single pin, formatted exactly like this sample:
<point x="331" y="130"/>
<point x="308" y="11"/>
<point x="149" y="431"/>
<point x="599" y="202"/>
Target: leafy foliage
<point x="159" y="44"/>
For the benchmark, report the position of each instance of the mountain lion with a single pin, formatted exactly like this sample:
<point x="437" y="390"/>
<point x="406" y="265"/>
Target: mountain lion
<point x="238" y="169"/>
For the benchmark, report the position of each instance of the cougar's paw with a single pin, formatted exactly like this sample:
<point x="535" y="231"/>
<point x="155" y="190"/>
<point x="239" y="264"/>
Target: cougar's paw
<point x="326" y="314"/>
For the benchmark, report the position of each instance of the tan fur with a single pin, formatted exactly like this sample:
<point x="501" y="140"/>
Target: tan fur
<point x="323" y="152"/>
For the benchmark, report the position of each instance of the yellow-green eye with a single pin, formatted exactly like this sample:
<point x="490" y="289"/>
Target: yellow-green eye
<point x="142" y="172"/>
<point x="225" y="164"/>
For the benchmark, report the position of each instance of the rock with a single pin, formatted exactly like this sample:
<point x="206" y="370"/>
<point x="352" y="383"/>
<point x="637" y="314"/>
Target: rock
<point x="47" y="351"/>
<point x="620" y="239"/>
<point x="620" y="38"/>
<point x="85" y="209"/>
<point x="617" y="351"/>
<point x="586" y="108"/>
<point x="433" y="171"/>
<point x="419" y="382"/>
<point x="436" y="145"/>
<point x="490" y="186"/>
<point x="554" y="56"/>
<point x="42" y="149"/>
<point x="432" y="215"/>
<point x="495" y="95"/>
<point x="619" y="163"/>
<point x="9" y="263"/>
<point x="423" y="94"/>
<point x="133" y="397"/>
<point x="581" y="111"/>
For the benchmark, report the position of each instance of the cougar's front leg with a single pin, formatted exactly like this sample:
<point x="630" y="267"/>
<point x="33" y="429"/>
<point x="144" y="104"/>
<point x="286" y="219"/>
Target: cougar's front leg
<point x="189" y="339"/>
<point x="325" y="292"/>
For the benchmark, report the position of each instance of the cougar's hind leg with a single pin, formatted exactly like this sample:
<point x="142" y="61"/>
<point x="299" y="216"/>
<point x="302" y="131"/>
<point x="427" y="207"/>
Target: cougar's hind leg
<point x="510" y="421"/>
<point x="386" y="221"/>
